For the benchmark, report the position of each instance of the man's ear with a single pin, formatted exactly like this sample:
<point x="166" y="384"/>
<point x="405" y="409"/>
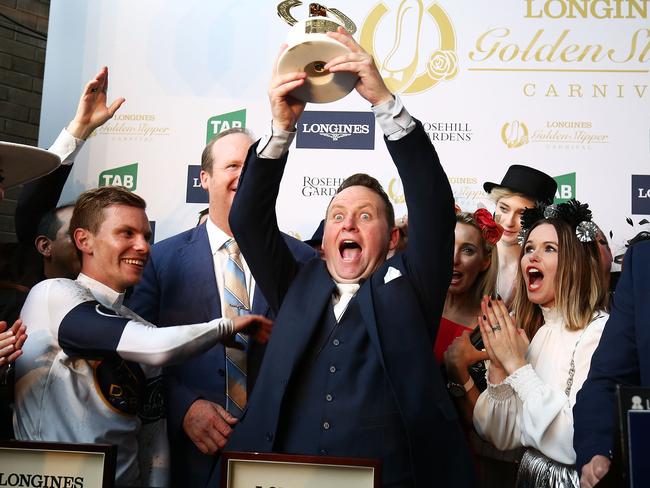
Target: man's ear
<point x="394" y="239"/>
<point x="203" y="176"/>
<point x="43" y="246"/>
<point x="83" y="239"/>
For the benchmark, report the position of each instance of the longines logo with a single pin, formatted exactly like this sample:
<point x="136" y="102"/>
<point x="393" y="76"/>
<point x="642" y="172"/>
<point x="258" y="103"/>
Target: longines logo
<point x="641" y="194"/>
<point x="448" y="131"/>
<point x="423" y="52"/>
<point x="219" y="123"/>
<point x="132" y="127"/>
<point x="126" y="176"/>
<point x="314" y="186"/>
<point x="570" y="9"/>
<point x="555" y="134"/>
<point x="336" y="130"/>
<point x="195" y="192"/>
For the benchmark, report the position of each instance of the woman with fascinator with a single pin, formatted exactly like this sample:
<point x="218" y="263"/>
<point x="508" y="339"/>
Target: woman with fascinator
<point x="474" y="275"/>
<point x="532" y="386"/>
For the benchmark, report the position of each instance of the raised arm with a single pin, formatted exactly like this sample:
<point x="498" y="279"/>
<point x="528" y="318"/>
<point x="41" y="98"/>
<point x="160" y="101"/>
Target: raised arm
<point x="252" y="217"/>
<point x="428" y="194"/>
<point x="42" y="195"/>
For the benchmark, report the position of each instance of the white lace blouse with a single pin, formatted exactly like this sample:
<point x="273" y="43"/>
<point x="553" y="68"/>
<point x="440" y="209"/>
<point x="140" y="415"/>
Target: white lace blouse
<point x="530" y="408"/>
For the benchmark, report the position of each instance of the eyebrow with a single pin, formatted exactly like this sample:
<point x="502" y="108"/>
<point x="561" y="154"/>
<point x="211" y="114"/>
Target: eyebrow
<point x="362" y="207"/>
<point x="545" y="242"/>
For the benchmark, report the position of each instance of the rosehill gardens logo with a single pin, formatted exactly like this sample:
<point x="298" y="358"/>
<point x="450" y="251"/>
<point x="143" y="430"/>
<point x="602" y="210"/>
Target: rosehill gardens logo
<point x="414" y="45"/>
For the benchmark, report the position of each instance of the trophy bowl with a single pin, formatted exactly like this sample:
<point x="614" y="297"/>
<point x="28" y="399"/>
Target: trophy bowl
<point x="309" y="49"/>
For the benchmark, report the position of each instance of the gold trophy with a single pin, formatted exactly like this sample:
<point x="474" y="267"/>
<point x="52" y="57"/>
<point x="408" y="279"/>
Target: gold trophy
<point x="310" y="49"/>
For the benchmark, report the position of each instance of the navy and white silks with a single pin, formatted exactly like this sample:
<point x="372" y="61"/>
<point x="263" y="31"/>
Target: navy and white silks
<point x="90" y="373"/>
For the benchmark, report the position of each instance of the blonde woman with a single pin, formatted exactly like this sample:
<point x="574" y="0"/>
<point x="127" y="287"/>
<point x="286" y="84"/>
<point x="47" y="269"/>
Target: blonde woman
<point x="520" y="188"/>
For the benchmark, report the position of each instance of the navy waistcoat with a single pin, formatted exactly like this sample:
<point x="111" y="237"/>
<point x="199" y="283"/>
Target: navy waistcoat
<point x="340" y="402"/>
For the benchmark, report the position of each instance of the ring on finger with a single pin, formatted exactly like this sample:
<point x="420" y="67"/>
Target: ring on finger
<point x="496" y="327"/>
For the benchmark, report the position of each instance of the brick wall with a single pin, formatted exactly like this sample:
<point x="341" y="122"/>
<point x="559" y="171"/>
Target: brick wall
<point x="22" y="59"/>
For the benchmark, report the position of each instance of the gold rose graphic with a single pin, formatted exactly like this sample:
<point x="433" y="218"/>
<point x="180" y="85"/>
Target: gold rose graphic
<point x="399" y="67"/>
<point x="443" y="65"/>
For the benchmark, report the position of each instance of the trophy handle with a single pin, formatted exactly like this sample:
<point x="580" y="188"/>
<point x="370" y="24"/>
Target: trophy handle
<point x="347" y="22"/>
<point x="284" y="11"/>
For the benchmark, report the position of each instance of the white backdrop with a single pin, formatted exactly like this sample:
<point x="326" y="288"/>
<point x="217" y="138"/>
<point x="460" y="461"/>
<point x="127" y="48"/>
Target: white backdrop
<point x="561" y="85"/>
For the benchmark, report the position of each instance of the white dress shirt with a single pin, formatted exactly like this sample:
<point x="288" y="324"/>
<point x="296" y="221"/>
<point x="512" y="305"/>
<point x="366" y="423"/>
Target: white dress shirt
<point x="218" y="239"/>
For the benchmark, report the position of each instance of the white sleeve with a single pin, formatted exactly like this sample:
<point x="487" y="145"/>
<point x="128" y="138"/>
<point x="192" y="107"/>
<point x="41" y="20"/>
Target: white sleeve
<point x="547" y="416"/>
<point x="66" y="146"/>
<point x="497" y="416"/>
<point x="159" y="346"/>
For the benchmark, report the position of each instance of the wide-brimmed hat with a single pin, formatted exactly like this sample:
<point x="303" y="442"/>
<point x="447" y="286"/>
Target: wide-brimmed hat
<point x="317" y="238"/>
<point x="20" y="163"/>
<point x="533" y="183"/>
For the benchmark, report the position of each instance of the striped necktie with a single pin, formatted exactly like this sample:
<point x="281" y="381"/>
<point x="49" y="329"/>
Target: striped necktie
<point x="237" y="300"/>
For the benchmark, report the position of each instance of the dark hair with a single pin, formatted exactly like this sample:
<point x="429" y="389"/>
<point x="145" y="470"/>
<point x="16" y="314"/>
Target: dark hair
<point x="206" y="155"/>
<point x="50" y="223"/>
<point x="89" y="210"/>
<point x="367" y="181"/>
<point x="202" y="214"/>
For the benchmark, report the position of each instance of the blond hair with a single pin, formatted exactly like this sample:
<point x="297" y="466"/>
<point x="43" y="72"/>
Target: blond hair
<point x="486" y="280"/>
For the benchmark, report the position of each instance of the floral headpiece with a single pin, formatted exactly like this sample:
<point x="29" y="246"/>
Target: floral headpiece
<point x="574" y="213"/>
<point x="490" y="230"/>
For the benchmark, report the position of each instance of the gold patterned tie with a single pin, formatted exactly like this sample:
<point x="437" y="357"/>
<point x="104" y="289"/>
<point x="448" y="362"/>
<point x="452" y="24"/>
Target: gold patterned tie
<point x="237" y="303"/>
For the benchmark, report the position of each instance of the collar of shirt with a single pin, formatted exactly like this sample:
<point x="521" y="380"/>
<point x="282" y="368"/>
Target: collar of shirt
<point x="216" y="236"/>
<point x="104" y="294"/>
<point x="342" y="296"/>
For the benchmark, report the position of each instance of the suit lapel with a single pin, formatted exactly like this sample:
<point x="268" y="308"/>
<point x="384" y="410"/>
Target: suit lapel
<point x="198" y="261"/>
<point x="314" y="296"/>
<point x="367" y="307"/>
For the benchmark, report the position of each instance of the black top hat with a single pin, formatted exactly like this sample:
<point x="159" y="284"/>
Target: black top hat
<point x="526" y="180"/>
<point x="317" y="238"/>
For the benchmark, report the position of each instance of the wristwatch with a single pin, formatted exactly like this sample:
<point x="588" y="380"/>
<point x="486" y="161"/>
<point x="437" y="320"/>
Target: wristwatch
<point x="457" y="390"/>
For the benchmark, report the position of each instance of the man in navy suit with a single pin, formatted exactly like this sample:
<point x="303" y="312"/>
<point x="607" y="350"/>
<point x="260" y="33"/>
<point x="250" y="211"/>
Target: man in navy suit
<point x="183" y="282"/>
<point x="349" y="370"/>
<point x="623" y="356"/>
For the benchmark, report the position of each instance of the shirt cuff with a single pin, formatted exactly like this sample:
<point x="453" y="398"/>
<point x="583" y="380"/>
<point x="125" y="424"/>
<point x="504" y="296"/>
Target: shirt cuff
<point x="66" y="146"/>
<point x="394" y="119"/>
<point x="499" y="392"/>
<point x="276" y="144"/>
<point x="524" y="381"/>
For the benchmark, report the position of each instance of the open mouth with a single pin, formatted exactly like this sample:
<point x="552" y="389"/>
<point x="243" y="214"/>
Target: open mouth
<point x="535" y="278"/>
<point x="455" y="277"/>
<point x="135" y="262"/>
<point x="349" y="250"/>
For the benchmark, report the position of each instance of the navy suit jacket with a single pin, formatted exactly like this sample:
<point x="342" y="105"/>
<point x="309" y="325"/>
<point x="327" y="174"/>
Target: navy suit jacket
<point x="623" y="356"/>
<point x="400" y="316"/>
<point x="179" y="287"/>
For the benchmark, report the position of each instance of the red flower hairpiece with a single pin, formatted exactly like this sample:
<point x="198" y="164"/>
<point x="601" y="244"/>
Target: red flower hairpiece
<point x="490" y="230"/>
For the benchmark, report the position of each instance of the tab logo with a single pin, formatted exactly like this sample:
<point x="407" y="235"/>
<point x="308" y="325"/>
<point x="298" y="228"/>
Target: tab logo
<point x="641" y="194"/>
<point x="336" y="130"/>
<point x="219" y="123"/>
<point x="126" y="176"/>
<point x="566" y="188"/>
<point x="195" y="192"/>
